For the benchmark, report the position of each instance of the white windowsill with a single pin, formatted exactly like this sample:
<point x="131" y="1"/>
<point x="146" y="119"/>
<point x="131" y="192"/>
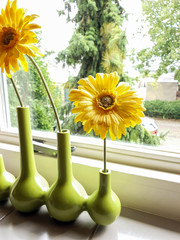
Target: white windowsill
<point x="142" y="156"/>
<point x="131" y="225"/>
<point x="147" y="190"/>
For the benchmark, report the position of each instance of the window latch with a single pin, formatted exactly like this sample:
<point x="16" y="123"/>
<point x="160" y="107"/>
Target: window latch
<point x="45" y="149"/>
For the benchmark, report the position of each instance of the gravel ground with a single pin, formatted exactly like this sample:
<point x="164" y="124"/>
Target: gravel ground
<point x="173" y="137"/>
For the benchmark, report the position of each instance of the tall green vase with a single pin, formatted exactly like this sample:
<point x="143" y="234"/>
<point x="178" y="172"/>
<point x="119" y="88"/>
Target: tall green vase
<point x="66" y="197"/>
<point x="6" y="180"/>
<point x="29" y="190"/>
<point x="103" y="205"/>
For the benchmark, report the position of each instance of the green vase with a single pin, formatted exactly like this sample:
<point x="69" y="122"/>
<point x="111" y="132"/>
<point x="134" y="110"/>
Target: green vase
<point x="66" y="197"/>
<point x="6" y="180"/>
<point x="29" y="190"/>
<point x="103" y="205"/>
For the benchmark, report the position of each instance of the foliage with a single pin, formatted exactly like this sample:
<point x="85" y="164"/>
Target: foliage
<point x="177" y="75"/>
<point x="140" y="135"/>
<point x="125" y="78"/>
<point x="112" y="38"/>
<point x="92" y="41"/>
<point x="162" y="17"/>
<point x="163" y="109"/>
<point x="98" y="43"/>
<point x="34" y="95"/>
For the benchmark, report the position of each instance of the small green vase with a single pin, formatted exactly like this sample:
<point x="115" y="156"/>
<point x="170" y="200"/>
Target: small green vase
<point x="29" y="190"/>
<point x="103" y="205"/>
<point x="6" y="180"/>
<point x="66" y="197"/>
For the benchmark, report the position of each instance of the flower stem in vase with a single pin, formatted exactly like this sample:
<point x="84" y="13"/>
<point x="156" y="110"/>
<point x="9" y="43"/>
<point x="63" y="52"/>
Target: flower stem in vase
<point x="47" y="90"/>
<point x="105" y="159"/>
<point x="16" y="91"/>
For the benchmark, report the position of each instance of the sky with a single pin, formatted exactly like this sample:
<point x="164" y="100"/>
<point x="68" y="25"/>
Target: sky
<point x="56" y="32"/>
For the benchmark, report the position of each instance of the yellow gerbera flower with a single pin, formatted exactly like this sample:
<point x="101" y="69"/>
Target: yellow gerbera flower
<point x="103" y="106"/>
<point x="16" y="37"/>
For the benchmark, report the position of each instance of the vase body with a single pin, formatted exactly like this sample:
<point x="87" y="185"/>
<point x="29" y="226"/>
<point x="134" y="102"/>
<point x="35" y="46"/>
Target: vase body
<point x="103" y="205"/>
<point x="6" y="181"/>
<point x="66" y="197"/>
<point x="29" y="190"/>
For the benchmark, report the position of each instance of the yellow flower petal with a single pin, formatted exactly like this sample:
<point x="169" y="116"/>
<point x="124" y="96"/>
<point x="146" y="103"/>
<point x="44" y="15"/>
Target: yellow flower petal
<point x="113" y="79"/>
<point x="2" y="22"/>
<point x="2" y="57"/>
<point x="103" y="107"/>
<point x="23" y="62"/>
<point x="87" y="126"/>
<point x="87" y="86"/>
<point x="33" y="26"/>
<point x="35" y="50"/>
<point x="16" y="37"/>
<point x="14" y="63"/>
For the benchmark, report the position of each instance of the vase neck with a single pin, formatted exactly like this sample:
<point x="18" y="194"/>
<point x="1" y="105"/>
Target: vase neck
<point x="2" y="168"/>
<point x="28" y="166"/>
<point x="64" y="156"/>
<point x="104" y="182"/>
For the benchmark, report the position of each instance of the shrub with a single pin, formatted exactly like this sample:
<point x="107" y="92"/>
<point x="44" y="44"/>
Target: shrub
<point x="140" y="135"/>
<point x="163" y="109"/>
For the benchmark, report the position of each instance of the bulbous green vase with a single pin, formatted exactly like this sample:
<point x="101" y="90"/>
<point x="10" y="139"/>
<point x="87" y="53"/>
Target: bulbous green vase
<point x="29" y="190"/>
<point x="66" y="197"/>
<point x="6" y="180"/>
<point x="103" y="205"/>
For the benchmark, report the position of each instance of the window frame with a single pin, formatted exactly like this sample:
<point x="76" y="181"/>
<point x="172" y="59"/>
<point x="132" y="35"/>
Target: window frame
<point x="157" y="158"/>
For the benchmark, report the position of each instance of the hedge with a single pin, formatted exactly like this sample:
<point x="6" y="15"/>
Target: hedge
<point x="163" y="109"/>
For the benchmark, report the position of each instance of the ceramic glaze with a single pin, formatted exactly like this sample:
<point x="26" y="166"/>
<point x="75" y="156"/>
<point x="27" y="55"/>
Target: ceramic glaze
<point x="6" y="180"/>
<point x="66" y="198"/>
<point x="29" y="190"/>
<point x="103" y="205"/>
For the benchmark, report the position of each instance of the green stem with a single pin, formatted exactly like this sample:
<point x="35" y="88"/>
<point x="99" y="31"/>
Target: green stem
<point x="48" y="92"/>
<point x="105" y="170"/>
<point x="16" y="91"/>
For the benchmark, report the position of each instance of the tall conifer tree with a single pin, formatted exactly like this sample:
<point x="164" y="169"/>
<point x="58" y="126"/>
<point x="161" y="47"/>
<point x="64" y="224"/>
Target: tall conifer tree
<point x="98" y="44"/>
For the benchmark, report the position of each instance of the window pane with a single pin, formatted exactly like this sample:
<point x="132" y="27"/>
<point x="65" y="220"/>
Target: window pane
<point x="146" y="57"/>
<point x="33" y="94"/>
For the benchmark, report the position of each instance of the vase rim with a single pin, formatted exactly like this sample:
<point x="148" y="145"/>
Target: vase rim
<point x="64" y="131"/>
<point x="101" y="171"/>
<point x="19" y="107"/>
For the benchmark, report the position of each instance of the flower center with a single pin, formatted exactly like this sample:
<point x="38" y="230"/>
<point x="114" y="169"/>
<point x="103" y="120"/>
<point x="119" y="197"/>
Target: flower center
<point x="106" y="102"/>
<point x="8" y="37"/>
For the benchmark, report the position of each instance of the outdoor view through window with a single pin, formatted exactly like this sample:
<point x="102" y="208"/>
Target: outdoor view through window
<point x="139" y="39"/>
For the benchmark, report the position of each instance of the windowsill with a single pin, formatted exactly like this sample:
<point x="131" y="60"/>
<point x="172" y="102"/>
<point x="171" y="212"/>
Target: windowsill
<point x="146" y="190"/>
<point x="142" y="156"/>
<point x="131" y="225"/>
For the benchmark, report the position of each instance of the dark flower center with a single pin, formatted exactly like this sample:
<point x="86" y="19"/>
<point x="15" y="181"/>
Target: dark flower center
<point x="8" y="35"/>
<point x="106" y="101"/>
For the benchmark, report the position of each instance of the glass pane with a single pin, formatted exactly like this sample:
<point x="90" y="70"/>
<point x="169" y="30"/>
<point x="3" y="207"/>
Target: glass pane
<point x="33" y="94"/>
<point x="143" y="50"/>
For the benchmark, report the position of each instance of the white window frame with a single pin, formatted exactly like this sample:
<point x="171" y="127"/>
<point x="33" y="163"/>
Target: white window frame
<point x="145" y="178"/>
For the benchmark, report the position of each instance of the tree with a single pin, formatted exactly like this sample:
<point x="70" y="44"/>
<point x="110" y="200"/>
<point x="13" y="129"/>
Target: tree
<point x="163" y="19"/>
<point x="98" y="44"/>
<point x="34" y="95"/>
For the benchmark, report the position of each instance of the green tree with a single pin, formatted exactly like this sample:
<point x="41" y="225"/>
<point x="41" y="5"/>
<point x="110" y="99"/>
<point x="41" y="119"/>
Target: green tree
<point x="162" y="17"/>
<point x="34" y="95"/>
<point x="98" y="44"/>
